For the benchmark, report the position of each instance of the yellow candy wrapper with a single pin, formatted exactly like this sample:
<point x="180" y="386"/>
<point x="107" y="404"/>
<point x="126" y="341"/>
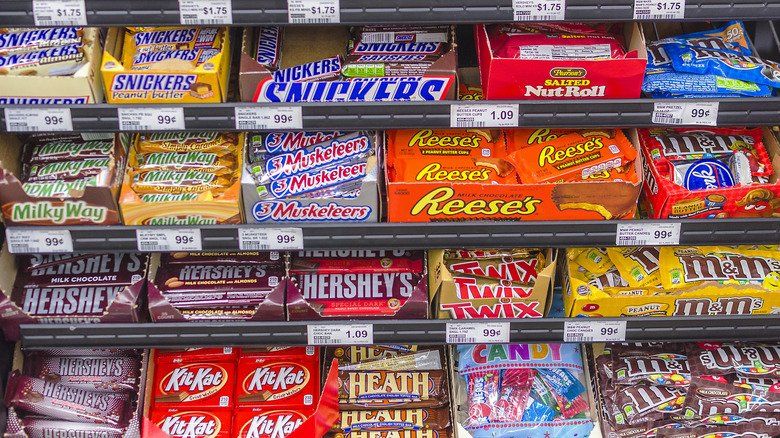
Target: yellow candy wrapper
<point x="690" y="266"/>
<point x="639" y="266"/>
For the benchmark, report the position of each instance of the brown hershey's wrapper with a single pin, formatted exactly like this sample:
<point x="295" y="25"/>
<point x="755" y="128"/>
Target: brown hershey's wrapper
<point x="55" y="400"/>
<point x="97" y="269"/>
<point x="47" y="428"/>
<point x="392" y="389"/>
<point x="351" y="421"/>
<point x="359" y="254"/>
<point x="103" y="374"/>
<point x="29" y="262"/>
<point x="355" y="266"/>
<point x="223" y="258"/>
<point x="66" y="301"/>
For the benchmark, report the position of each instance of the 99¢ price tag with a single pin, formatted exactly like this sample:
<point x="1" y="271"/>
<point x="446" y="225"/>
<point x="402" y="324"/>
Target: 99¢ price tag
<point x="478" y="332"/>
<point x="594" y="331"/>
<point x="690" y="113"/>
<point x="38" y="119"/>
<point x="261" y="239"/>
<point x="313" y="11"/>
<point x="26" y="240"/>
<point x="652" y="234"/>
<point x="151" y="119"/>
<point x="476" y="115"/>
<point x="277" y="117"/>
<point x="200" y="12"/>
<point x="59" y="13"/>
<point x="342" y="334"/>
<point x="165" y="239"/>
<point x="659" y="9"/>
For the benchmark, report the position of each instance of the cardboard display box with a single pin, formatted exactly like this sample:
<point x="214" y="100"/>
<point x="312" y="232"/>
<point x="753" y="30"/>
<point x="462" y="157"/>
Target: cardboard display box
<point x="666" y="199"/>
<point x="301" y="45"/>
<point x="92" y="206"/>
<point x="84" y="86"/>
<point x="446" y="302"/>
<point x="448" y="201"/>
<point x="507" y="78"/>
<point x="206" y="83"/>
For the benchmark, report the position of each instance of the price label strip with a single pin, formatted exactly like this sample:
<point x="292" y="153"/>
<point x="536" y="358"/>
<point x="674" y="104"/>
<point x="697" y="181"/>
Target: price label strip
<point x="276" y="117"/>
<point x="27" y="241"/>
<point x="165" y="239"/>
<point x="151" y="119"/>
<point x="313" y="11"/>
<point x="648" y="234"/>
<point x="690" y="113"/>
<point x="594" y="331"/>
<point x="200" y="12"/>
<point x="484" y="115"/>
<point x="59" y="12"/>
<point x="342" y="334"/>
<point x="539" y="10"/>
<point x="261" y="239"/>
<point x="478" y="332"/>
<point x="38" y="119"/>
<point x="659" y="9"/>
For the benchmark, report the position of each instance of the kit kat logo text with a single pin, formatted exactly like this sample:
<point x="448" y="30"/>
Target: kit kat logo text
<point x="198" y="381"/>
<point x="276" y="381"/>
<point x="273" y="424"/>
<point x="191" y="425"/>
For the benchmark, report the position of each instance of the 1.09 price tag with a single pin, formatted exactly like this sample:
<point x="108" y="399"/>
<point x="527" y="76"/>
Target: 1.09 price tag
<point x="262" y="239"/>
<point x="59" y="13"/>
<point x="481" y="115"/>
<point x="27" y="241"/>
<point x="151" y="119"/>
<point x="38" y="119"/>
<point x="276" y="117"/>
<point x="165" y="239"/>
<point x="478" y="332"/>
<point x="342" y="334"/>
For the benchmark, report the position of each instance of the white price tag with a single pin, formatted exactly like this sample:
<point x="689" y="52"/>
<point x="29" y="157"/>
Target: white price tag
<point x="200" y="12"/>
<point x="278" y="117"/>
<point x="151" y="119"/>
<point x="38" y="119"/>
<point x="539" y="10"/>
<point x="313" y="11"/>
<point x="26" y="241"/>
<point x="168" y="239"/>
<point x="656" y="234"/>
<point x="59" y="13"/>
<point x="475" y="115"/>
<point x="686" y="113"/>
<point x="342" y="334"/>
<point x="477" y="332"/>
<point x="659" y="9"/>
<point x="261" y="239"/>
<point x="594" y="331"/>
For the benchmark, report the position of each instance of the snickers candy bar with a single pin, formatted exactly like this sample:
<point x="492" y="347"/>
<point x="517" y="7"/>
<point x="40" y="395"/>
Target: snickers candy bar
<point x="392" y="59"/>
<point x="71" y="170"/>
<point x="357" y="294"/>
<point x="48" y="428"/>
<point x="97" y="269"/>
<point x="367" y="69"/>
<point x="174" y="39"/>
<point x="56" y="61"/>
<point x="55" y="400"/>
<point x="269" y="46"/>
<point x="392" y="389"/>
<point x="147" y="60"/>
<point x="221" y="258"/>
<point x="639" y="404"/>
<point x="322" y="70"/>
<point x="170" y="181"/>
<point x="412" y="419"/>
<point x="431" y="48"/>
<point x="66" y="151"/>
<point x="214" y="142"/>
<point x="524" y="270"/>
<point x="402" y="34"/>
<point x="194" y="160"/>
<point x="356" y="266"/>
<point x="660" y="369"/>
<point x="103" y="374"/>
<point x="30" y="39"/>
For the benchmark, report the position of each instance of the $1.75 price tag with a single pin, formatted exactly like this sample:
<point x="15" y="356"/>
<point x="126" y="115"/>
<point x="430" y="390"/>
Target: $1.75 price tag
<point x="342" y="334"/>
<point x="200" y="12"/>
<point x="477" y="332"/>
<point x="261" y="239"/>
<point x="165" y="239"/>
<point x="151" y="119"/>
<point x="539" y="10"/>
<point x="38" y="119"/>
<point x="659" y="9"/>
<point x="313" y="11"/>
<point x="690" y="113"/>
<point x="650" y="234"/>
<point x="26" y="241"/>
<point x="594" y="331"/>
<point x="476" y="115"/>
<point x="276" y="117"/>
<point x="59" y="13"/>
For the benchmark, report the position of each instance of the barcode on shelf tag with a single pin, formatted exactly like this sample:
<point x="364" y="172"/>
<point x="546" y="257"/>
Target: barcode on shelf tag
<point x="655" y="234"/>
<point x="480" y="115"/>
<point x="261" y="239"/>
<point x="659" y="9"/>
<point x="586" y="330"/>
<point x="166" y="239"/>
<point x="342" y="334"/>
<point x="151" y="119"/>
<point x="26" y="240"/>
<point x="478" y="332"/>
<point x="38" y="119"/>
<point x="538" y="10"/>
<point x="59" y="12"/>
<point x="204" y="12"/>
<point x="274" y="117"/>
<point x="313" y="11"/>
<point x="686" y="113"/>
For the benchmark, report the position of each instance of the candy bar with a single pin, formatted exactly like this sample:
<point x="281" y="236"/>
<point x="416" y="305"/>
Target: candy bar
<point x="193" y="423"/>
<point x="523" y="270"/>
<point x="97" y="269"/>
<point x="65" y="151"/>
<point x="30" y="40"/>
<point x="174" y="39"/>
<point x="190" y="355"/>
<point x="396" y="389"/>
<point x="196" y="57"/>
<point x="639" y="404"/>
<point x="660" y="369"/>
<point x="321" y="70"/>
<point x="222" y="258"/>
<point x="393" y="88"/>
<point x="219" y="313"/>
<point x="688" y="266"/>
<point x="179" y="281"/>
<point x="402" y="34"/>
<point x="403" y="433"/>
<point x="476" y="254"/>
<point x="103" y="374"/>
<point x="60" y="401"/>
<point x="175" y="197"/>
<point x="69" y="170"/>
<point x="59" y="189"/>
<point x="357" y="353"/>
<point x="204" y="385"/>
<point x="361" y="48"/>
<point x="188" y="181"/>
<point x="271" y="423"/>
<point x="278" y="381"/>
<point x="214" y="142"/>
<point x="56" y="61"/>
<point x="422" y="360"/>
<point x="638" y="266"/>
<point x="746" y="360"/>
<point x="47" y="428"/>
<point x="350" y="422"/>
<point x="269" y="46"/>
<point x="315" y="180"/>
<point x="483" y="394"/>
<point x="340" y="265"/>
<point x="365" y="68"/>
<point x="279" y="351"/>
<point x="276" y="142"/>
<point x="91" y="352"/>
<point x="187" y="161"/>
<point x="392" y="59"/>
<point x="557" y="46"/>
<point x="426" y="144"/>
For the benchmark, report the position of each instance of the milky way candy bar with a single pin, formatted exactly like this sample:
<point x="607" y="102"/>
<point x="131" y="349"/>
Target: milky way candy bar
<point x="55" y="400"/>
<point x="47" y="428"/>
<point x="185" y="181"/>
<point x="357" y="294"/>
<point x="321" y="70"/>
<point x="69" y="170"/>
<point x="360" y="48"/>
<point x="222" y="258"/>
<point x="215" y="142"/>
<point x="392" y="389"/>
<point x="56" y="61"/>
<point x="410" y="419"/>
<point x="102" y="374"/>
<point x="59" y="189"/>
<point x="64" y="151"/>
<point x="96" y="269"/>
<point x="195" y="160"/>
<point x="196" y="57"/>
<point x="269" y="46"/>
<point x="402" y="34"/>
<point x="411" y="262"/>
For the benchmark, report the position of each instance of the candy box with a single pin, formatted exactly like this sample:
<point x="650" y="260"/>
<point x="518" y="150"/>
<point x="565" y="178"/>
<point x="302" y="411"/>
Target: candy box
<point x="206" y="83"/>
<point x="84" y="86"/>
<point x="67" y="304"/>
<point x="90" y="206"/>
<point x="461" y="297"/>
<point x="305" y="45"/>
<point x="666" y="199"/>
<point x="509" y="78"/>
<point x="278" y="382"/>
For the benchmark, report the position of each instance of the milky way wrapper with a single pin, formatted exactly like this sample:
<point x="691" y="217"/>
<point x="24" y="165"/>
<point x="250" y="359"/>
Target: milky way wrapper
<point x="396" y="389"/>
